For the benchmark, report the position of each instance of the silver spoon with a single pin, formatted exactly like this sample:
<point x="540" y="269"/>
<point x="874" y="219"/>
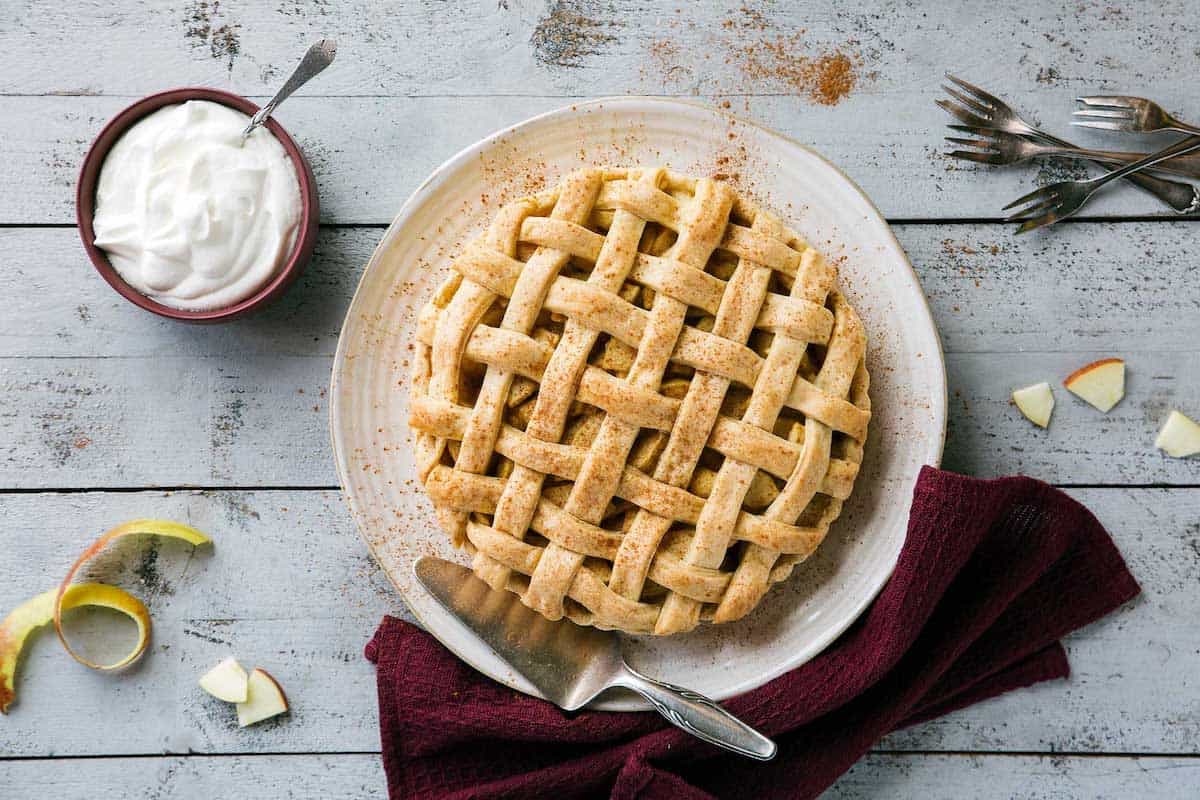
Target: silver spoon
<point x="318" y="57"/>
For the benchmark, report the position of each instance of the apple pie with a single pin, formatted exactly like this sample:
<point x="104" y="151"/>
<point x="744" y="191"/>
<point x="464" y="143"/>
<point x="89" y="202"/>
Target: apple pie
<point x="639" y="400"/>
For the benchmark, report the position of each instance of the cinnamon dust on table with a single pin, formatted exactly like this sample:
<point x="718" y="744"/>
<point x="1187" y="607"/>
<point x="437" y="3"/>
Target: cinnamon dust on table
<point x="764" y="55"/>
<point x="836" y="76"/>
<point x="826" y="79"/>
<point x="664" y="56"/>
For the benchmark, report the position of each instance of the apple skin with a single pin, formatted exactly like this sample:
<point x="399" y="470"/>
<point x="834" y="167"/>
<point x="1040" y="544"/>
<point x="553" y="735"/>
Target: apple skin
<point x="16" y="628"/>
<point x="49" y="606"/>
<point x="137" y="527"/>
<point x="24" y="620"/>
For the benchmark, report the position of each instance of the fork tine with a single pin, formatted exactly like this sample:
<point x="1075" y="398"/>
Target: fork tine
<point x="962" y="114"/>
<point x="1038" y="222"/>
<point x="1036" y="194"/>
<point x="1100" y="113"/>
<point x="970" y="102"/>
<point x="1112" y="101"/>
<point x="1104" y="126"/>
<point x="975" y="90"/>
<point x="1028" y="213"/>
<point x="982" y="144"/>
<point x="971" y="155"/>
<point x="975" y="129"/>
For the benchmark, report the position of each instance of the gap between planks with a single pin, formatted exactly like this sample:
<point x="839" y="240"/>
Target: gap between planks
<point x="948" y="221"/>
<point x="890" y="753"/>
<point x="247" y="754"/>
<point x="336" y="488"/>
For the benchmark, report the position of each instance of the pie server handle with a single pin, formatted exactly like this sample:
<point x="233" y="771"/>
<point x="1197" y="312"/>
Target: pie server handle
<point x="699" y="716"/>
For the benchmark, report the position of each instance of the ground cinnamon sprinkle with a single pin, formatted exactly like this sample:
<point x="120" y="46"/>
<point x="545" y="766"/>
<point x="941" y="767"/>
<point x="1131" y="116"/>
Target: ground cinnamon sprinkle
<point x="664" y="54"/>
<point x="836" y="76"/>
<point x="826" y="79"/>
<point x="766" y="56"/>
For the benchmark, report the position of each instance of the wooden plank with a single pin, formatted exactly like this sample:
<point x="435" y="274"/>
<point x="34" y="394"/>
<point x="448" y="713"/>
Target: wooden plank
<point x="58" y="306"/>
<point x="245" y="777"/>
<point x="81" y="371"/>
<point x="262" y="421"/>
<point x="114" y="422"/>
<point x="1092" y="288"/>
<point x="361" y="775"/>
<point x="890" y="144"/>
<point x="987" y="436"/>
<point x="1101" y="287"/>
<point x="584" y="47"/>
<point x="290" y="586"/>
<point x="982" y="776"/>
<point x="414" y="100"/>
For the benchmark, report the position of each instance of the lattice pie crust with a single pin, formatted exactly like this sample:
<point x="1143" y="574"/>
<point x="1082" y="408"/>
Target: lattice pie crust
<point x="639" y="400"/>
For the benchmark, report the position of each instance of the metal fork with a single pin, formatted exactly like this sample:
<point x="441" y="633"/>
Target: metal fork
<point x="1131" y="114"/>
<point x="1003" y="148"/>
<point x="982" y="110"/>
<point x="1060" y="200"/>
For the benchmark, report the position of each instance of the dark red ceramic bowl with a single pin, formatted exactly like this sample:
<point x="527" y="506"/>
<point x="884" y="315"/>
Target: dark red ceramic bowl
<point x="85" y="206"/>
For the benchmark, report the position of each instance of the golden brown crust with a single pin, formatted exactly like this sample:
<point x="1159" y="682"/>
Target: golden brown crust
<point x="639" y="400"/>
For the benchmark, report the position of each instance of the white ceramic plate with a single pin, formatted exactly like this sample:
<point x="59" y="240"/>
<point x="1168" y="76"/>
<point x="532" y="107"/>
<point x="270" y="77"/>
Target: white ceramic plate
<point x="369" y="406"/>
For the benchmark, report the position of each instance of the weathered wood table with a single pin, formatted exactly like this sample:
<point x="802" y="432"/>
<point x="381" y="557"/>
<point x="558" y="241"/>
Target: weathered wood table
<point x="109" y="413"/>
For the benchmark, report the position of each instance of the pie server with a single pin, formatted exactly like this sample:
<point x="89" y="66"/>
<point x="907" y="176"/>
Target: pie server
<point x="571" y="664"/>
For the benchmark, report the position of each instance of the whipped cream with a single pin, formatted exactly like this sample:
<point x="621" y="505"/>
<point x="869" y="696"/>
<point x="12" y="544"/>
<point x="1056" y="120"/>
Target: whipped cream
<point x="191" y="216"/>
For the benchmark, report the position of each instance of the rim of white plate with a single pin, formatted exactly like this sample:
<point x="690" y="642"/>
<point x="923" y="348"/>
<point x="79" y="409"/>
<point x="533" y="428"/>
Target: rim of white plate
<point x="427" y="189"/>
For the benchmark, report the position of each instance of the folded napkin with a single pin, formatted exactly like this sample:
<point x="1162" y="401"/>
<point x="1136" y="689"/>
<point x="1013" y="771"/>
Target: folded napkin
<point x="992" y="574"/>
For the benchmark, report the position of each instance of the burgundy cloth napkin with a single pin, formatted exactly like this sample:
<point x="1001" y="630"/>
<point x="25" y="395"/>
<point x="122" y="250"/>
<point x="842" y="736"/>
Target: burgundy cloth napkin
<point x="992" y="574"/>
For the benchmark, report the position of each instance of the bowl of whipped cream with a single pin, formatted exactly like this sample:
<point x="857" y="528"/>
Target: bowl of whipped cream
<point x="188" y="219"/>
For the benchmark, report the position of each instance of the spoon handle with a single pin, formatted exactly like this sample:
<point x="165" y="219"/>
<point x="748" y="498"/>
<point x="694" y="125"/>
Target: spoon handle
<point x="318" y="57"/>
<point x="699" y="716"/>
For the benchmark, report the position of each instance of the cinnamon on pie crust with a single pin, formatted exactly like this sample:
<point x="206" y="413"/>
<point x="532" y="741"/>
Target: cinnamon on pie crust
<point x="639" y="400"/>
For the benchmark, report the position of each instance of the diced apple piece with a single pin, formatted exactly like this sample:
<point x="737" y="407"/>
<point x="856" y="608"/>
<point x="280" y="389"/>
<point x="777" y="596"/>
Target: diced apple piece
<point x="265" y="699"/>
<point x="226" y="681"/>
<point x="1101" y="383"/>
<point x="1179" y="437"/>
<point x="1036" y="402"/>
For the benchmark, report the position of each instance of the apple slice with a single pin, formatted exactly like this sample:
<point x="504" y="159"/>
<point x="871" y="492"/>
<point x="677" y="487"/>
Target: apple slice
<point x="1036" y="402"/>
<point x="1179" y="437"/>
<point x="265" y="699"/>
<point x="226" y="681"/>
<point x="1101" y="383"/>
